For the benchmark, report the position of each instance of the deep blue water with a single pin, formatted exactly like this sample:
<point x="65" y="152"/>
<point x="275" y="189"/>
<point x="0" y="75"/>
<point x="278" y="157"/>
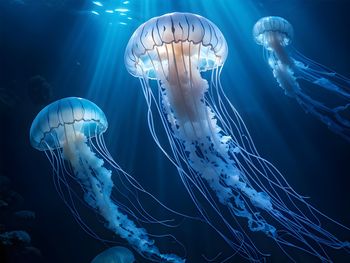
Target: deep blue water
<point x="81" y="54"/>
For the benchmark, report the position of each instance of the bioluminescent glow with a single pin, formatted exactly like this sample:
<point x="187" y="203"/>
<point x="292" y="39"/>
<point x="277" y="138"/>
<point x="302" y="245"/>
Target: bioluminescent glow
<point x="70" y="132"/>
<point x="109" y="11"/>
<point x="95" y="13"/>
<point x="211" y="147"/>
<point x="330" y="102"/>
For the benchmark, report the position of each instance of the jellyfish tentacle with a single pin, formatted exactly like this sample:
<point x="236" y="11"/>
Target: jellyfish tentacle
<point x="245" y="247"/>
<point x="288" y="189"/>
<point x="329" y="100"/>
<point x="136" y="185"/>
<point x="248" y="251"/>
<point x="335" y="117"/>
<point x="96" y="180"/>
<point x="69" y="131"/>
<point x="209" y="143"/>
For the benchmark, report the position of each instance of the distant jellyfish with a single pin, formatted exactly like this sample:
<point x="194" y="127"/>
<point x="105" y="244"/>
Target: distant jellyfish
<point x="17" y="237"/>
<point x="25" y="214"/>
<point x="328" y="98"/>
<point x="3" y="204"/>
<point x="4" y="184"/>
<point x="7" y="98"/>
<point x="115" y="255"/>
<point x="70" y="132"/>
<point x="39" y="90"/>
<point x="210" y="145"/>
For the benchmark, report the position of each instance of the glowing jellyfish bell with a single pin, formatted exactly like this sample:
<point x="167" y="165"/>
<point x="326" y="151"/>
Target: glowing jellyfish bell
<point x="174" y="49"/>
<point x="70" y="132"/>
<point x="330" y="103"/>
<point x="210" y="144"/>
<point x="67" y="121"/>
<point x="273" y="31"/>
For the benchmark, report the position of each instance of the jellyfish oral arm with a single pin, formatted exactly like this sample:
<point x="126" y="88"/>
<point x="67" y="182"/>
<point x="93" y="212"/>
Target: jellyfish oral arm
<point x="183" y="84"/>
<point x="330" y="101"/>
<point x="284" y="75"/>
<point x="97" y="184"/>
<point x="214" y="157"/>
<point x="212" y="149"/>
<point x="208" y="153"/>
<point x="333" y="108"/>
<point x="195" y="125"/>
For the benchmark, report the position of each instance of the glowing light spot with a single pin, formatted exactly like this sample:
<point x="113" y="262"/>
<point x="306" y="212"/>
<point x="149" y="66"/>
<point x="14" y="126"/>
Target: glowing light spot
<point x="122" y="23"/>
<point x="95" y="13"/>
<point x="126" y="2"/>
<point x="129" y="18"/>
<point x="97" y="3"/>
<point x="109" y="11"/>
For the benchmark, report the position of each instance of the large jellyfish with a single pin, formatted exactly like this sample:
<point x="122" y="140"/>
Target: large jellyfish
<point x="210" y="145"/>
<point x="328" y="98"/>
<point x="70" y="132"/>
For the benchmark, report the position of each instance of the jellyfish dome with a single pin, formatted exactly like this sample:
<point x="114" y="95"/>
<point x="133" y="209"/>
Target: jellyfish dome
<point x="183" y="35"/>
<point x="330" y="101"/>
<point x="70" y="133"/>
<point x="174" y="49"/>
<point x="209" y="143"/>
<point x="79" y="116"/>
<point x="115" y="255"/>
<point x="273" y="28"/>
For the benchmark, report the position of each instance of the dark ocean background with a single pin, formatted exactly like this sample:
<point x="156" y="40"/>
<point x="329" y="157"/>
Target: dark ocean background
<point x="54" y="49"/>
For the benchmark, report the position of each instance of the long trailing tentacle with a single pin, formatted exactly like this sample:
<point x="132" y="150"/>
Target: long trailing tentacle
<point x="194" y="183"/>
<point x="330" y="102"/>
<point x="265" y="177"/>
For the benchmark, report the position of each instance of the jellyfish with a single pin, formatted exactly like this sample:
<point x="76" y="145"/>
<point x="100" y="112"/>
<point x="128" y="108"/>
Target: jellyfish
<point x="70" y="132"/>
<point x="115" y="255"/>
<point x="39" y="90"/>
<point x="328" y="96"/>
<point x="209" y="144"/>
<point x="7" y="98"/>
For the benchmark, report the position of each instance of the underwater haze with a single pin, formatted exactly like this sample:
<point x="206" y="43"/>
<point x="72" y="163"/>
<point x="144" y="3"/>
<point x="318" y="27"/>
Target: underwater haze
<point x="53" y="49"/>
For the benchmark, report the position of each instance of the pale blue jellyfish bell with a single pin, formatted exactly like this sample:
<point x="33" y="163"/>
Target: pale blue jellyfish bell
<point x="210" y="144"/>
<point x="330" y="102"/>
<point x="70" y="132"/>
<point x="115" y="255"/>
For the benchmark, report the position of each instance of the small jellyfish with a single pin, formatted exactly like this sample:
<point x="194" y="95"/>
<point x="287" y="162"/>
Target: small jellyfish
<point x="4" y="183"/>
<point x="115" y="255"/>
<point x="7" y="98"/>
<point x="210" y="145"/>
<point x="18" y="237"/>
<point x="25" y="214"/>
<point x="3" y="204"/>
<point x="328" y="96"/>
<point x="39" y="90"/>
<point x="70" y="132"/>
